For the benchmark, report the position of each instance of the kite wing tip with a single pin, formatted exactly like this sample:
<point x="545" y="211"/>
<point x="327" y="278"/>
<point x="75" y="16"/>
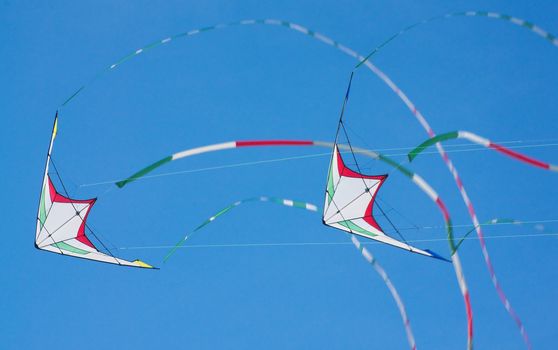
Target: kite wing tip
<point x="144" y="265"/>
<point x="436" y="255"/>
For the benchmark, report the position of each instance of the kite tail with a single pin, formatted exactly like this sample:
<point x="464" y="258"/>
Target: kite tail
<point x="372" y="261"/>
<point x="499" y="290"/>
<point x="479" y="140"/>
<point x="456" y="262"/>
<point x="422" y="120"/>
<point x="311" y="207"/>
<point x="280" y="201"/>
<point x="465" y="292"/>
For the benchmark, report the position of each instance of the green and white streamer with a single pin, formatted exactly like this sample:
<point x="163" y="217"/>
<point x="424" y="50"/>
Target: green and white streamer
<point x="311" y="207"/>
<point x="479" y="140"/>
<point x="280" y="201"/>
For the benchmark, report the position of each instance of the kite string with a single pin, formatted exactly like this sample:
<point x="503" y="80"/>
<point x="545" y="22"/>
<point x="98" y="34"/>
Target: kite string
<point x="282" y="159"/>
<point x="318" y="244"/>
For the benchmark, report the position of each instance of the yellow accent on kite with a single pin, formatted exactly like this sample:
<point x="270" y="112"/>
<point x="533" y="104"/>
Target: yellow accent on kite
<point x="142" y="264"/>
<point x="55" y="129"/>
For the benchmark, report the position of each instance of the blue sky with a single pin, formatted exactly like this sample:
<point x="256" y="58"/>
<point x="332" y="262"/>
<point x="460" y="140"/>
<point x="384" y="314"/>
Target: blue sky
<point x="259" y="82"/>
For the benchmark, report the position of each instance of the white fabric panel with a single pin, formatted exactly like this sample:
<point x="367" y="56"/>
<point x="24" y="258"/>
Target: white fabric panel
<point x="62" y="222"/>
<point x="351" y="198"/>
<point x="366" y="226"/>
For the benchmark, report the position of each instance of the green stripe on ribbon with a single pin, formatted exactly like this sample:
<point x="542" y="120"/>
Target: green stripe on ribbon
<point x="489" y="222"/>
<point x="301" y="205"/>
<point x="431" y="141"/>
<point x="143" y="172"/>
<point x="396" y="165"/>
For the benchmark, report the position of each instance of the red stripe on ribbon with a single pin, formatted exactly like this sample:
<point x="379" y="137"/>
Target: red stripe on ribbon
<point x="255" y="143"/>
<point x="519" y="156"/>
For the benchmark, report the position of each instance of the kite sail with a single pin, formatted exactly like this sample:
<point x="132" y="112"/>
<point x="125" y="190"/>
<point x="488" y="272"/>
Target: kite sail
<point x="349" y="203"/>
<point x="62" y="222"/>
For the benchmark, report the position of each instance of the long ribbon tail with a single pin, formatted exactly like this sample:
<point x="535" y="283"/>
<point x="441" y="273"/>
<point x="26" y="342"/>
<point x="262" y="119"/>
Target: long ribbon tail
<point x="494" y="221"/>
<point x="367" y="255"/>
<point x="383" y="274"/>
<point x="315" y="35"/>
<point x="280" y="201"/>
<point x="479" y="140"/>
<point x="513" y="20"/>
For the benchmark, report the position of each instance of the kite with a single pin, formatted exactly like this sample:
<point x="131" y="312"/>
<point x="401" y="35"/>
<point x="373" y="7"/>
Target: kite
<point x="483" y="142"/>
<point x="350" y="195"/>
<point x="364" y="190"/>
<point x="62" y="222"/>
<point x="349" y="202"/>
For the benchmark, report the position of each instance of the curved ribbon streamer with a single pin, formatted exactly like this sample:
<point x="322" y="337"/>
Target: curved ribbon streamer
<point x="281" y="201"/>
<point x="479" y="140"/>
<point x="311" y="207"/>
<point x="415" y="178"/>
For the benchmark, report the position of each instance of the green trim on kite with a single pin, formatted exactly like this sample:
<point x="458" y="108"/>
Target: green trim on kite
<point x="431" y="141"/>
<point x="143" y="172"/>
<point x="69" y="248"/>
<point x="42" y="208"/>
<point x="353" y="227"/>
<point x="330" y="187"/>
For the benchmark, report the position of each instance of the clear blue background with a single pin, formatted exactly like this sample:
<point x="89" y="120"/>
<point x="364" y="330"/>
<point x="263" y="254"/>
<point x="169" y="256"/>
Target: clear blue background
<point x="258" y="82"/>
